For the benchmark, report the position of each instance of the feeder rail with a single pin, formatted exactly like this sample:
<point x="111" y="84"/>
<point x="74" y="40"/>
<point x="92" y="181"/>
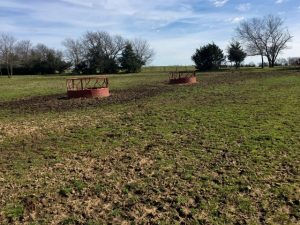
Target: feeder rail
<point x="181" y="74"/>
<point x="86" y="83"/>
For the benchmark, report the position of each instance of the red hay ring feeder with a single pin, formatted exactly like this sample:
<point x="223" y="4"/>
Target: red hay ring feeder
<point x="182" y="77"/>
<point x="87" y="87"/>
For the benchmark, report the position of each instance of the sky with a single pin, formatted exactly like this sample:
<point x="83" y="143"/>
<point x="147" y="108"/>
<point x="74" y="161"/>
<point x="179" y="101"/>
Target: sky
<point x="173" y="28"/>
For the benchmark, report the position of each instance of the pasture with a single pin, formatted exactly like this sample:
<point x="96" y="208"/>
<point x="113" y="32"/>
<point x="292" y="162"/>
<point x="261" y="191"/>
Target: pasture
<point x="223" y="151"/>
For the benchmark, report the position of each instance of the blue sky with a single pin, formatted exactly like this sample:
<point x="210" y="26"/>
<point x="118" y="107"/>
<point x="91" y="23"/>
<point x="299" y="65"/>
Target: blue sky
<point x="174" y="28"/>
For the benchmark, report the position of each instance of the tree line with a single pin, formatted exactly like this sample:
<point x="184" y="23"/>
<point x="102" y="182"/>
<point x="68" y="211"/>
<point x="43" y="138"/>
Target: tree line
<point x="265" y="37"/>
<point x="100" y="52"/>
<point x="93" y="53"/>
<point x="21" y="57"/>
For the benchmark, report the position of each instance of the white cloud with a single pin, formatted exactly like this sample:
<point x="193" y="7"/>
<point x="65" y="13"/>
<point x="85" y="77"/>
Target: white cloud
<point x="244" y="7"/>
<point x="279" y="1"/>
<point x="219" y="3"/>
<point x="236" y="20"/>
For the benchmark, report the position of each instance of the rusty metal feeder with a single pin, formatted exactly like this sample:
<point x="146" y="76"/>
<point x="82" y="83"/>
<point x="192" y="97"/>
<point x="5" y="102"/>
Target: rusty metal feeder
<point x="182" y="77"/>
<point x="87" y="87"/>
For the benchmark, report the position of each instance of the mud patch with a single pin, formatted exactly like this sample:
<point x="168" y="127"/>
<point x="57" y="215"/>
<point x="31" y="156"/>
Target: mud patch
<point x="60" y="103"/>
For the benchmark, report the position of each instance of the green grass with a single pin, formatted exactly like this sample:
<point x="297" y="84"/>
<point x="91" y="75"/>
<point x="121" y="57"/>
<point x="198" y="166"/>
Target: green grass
<point x="223" y="151"/>
<point x="28" y="86"/>
<point x="14" y="212"/>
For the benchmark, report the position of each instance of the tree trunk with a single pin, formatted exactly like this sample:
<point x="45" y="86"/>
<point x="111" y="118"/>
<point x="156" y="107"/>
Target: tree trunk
<point x="273" y="61"/>
<point x="262" y="61"/>
<point x="11" y="69"/>
<point x="7" y="69"/>
<point x="270" y="62"/>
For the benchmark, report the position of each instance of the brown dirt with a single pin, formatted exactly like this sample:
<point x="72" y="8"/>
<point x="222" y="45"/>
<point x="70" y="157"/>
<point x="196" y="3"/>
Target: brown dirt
<point x="60" y="103"/>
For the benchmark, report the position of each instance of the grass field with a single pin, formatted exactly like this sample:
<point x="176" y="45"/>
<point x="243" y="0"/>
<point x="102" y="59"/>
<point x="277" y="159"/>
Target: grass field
<point x="223" y="151"/>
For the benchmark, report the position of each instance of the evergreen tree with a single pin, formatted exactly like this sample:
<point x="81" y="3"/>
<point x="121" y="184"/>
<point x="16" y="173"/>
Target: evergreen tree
<point x="129" y="61"/>
<point x="236" y="53"/>
<point x="208" y="57"/>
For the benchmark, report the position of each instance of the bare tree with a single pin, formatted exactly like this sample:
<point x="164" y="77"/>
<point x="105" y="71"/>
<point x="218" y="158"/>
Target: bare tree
<point x="104" y="43"/>
<point x="250" y="32"/>
<point x="267" y="37"/>
<point x="41" y="51"/>
<point x="7" y="44"/>
<point x="142" y="50"/>
<point x="275" y="38"/>
<point x="102" y="50"/>
<point x="253" y="50"/>
<point x="74" y="51"/>
<point x="22" y="51"/>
